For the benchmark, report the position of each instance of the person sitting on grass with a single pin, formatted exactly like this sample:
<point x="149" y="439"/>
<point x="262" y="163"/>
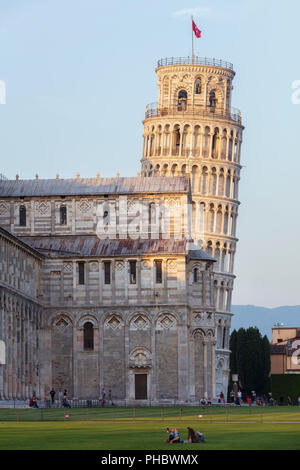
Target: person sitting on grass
<point x="195" y="436"/>
<point x="174" y="436"/>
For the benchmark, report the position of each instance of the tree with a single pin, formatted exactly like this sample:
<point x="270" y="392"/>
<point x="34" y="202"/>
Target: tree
<point x="267" y="362"/>
<point x="233" y="348"/>
<point x="250" y="359"/>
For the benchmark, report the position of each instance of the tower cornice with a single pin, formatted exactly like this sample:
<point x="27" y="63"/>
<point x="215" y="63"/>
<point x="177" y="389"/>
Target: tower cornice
<point x="204" y="119"/>
<point x="195" y="63"/>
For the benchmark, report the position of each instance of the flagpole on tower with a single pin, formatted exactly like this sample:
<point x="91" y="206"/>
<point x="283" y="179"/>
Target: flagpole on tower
<point x="192" y="41"/>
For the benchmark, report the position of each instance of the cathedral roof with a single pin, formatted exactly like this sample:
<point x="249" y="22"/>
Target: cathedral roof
<point x="92" y="246"/>
<point x="9" y="236"/>
<point x="93" y="186"/>
<point x="200" y="255"/>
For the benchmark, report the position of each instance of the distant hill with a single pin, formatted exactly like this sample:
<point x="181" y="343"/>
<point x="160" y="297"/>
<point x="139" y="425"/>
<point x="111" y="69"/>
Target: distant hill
<point x="264" y="318"/>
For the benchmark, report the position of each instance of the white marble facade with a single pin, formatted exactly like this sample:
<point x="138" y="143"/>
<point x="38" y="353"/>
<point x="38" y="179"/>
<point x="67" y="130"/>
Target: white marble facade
<point x="146" y="315"/>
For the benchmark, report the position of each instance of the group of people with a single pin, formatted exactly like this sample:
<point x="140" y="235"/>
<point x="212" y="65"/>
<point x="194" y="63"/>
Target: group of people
<point x="251" y="398"/>
<point x="110" y="402"/>
<point x="62" y="398"/>
<point x="193" y="436"/>
<point x="289" y="401"/>
<point x="264" y="400"/>
<point x="205" y="401"/>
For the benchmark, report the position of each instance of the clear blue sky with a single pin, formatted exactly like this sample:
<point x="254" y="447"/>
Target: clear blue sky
<point x="79" y="73"/>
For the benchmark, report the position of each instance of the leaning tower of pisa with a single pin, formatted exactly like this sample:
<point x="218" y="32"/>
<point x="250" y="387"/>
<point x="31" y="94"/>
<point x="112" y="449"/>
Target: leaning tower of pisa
<point x="193" y="130"/>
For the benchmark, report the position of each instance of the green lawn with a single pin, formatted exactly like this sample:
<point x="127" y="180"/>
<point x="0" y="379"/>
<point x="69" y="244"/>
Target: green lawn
<point x="210" y="414"/>
<point x="144" y="428"/>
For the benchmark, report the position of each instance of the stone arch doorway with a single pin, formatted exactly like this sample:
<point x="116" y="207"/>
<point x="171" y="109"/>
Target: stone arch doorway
<point x="140" y="363"/>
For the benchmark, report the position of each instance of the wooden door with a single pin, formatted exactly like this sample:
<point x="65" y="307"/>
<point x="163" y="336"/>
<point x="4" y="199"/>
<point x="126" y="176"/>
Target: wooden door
<point x="141" y="386"/>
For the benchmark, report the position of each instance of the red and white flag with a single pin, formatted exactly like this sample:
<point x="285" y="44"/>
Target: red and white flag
<point x="196" y="30"/>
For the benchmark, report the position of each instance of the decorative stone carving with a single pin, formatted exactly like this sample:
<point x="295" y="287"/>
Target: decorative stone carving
<point x="114" y="322"/>
<point x="132" y="204"/>
<point x="197" y="265"/>
<point x="146" y="264"/>
<point x="172" y="265"/>
<point x="84" y="318"/>
<point x="202" y="318"/>
<point x="119" y="265"/>
<point x="140" y="358"/>
<point x="93" y="267"/>
<point x="197" y="318"/>
<point x="166" y="322"/>
<point x="172" y="203"/>
<point x="84" y="206"/>
<point x="4" y="208"/>
<point x="139" y="322"/>
<point x="62" y="324"/>
<point x="68" y="267"/>
<point x="198" y="334"/>
<point x="43" y="208"/>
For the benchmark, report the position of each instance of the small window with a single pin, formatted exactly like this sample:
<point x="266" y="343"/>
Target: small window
<point x="63" y="215"/>
<point x="224" y="336"/>
<point x="212" y="99"/>
<point x="198" y="87"/>
<point x="81" y="273"/>
<point x="152" y="218"/>
<point x="195" y="276"/>
<point x="182" y="100"/>
<point x="22" y="216"/>
<point x="88" y="336"/>
<point x="106" y="217"/>
<point x="158" y="272"/>
<point x="132" y="265"/>
<point x="107" y="271"/>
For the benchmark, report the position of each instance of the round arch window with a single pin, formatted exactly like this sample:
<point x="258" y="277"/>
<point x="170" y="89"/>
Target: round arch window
<point x="182" y="100"/>
<point x="212" y="100"/>
<point x="198" y="87"/>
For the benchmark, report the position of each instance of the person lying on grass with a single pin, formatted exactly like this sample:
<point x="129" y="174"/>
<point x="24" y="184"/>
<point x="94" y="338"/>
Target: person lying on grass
<point x="174" y="436"/>
<point x="195" y="436"/>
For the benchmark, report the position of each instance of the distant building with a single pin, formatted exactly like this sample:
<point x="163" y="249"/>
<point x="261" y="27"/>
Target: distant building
<point x="285" y="350"/>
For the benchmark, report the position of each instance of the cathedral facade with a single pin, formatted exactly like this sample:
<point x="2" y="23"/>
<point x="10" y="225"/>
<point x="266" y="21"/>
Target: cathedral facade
<point x="125" y="283"/>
